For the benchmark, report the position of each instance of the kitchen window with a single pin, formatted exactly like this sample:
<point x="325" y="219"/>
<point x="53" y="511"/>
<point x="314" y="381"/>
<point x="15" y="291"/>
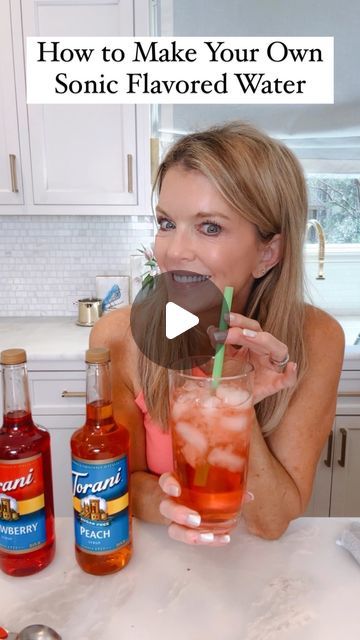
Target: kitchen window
<point x="334" y="201"/>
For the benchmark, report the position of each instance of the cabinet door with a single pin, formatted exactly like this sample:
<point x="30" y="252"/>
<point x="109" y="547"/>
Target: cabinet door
<point x="319" y="504"/>
<point x="10" y="169"/>
<point x="57" y="392"/>
<point x="82" y="154"/>
<point x="61" y="429"/>
<point x="345" y="492"/>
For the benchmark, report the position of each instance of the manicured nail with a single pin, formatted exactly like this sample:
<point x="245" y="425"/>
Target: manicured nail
<point x="205" y="537"/>
<point x="227" y="317"/>
<point x="225" y="539"/>
<point x="193" y="519"/>
<point x="250" y="496"/>
<point x="220" y="336"/>
<point x="173" y="490"/>
<point x="210" y="327"/>
<point x="249" y="333"/>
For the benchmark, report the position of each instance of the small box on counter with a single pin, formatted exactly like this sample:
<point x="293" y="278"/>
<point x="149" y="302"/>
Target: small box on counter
<point x="113" y="291"/>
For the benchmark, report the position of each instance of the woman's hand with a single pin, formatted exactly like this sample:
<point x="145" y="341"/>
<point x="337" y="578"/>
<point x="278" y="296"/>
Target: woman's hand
<point x="269" y="356"/>
<point x="184" y="523"/>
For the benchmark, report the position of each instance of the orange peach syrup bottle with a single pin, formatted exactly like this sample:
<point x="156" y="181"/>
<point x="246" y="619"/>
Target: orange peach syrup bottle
<point x="27" y="537"/>
<point x="100" y="477"/>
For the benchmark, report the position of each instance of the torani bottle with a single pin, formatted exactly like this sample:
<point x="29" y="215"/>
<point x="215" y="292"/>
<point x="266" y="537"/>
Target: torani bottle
<point x="100" y="476"/>
<point x="27" y="539"/>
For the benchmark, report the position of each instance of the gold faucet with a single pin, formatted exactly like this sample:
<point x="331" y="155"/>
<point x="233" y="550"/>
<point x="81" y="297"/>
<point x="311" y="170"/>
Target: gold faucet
<point x="321" y="239"/>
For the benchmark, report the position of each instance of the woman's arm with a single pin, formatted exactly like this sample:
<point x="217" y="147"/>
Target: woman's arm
<point x="282" y="466"/>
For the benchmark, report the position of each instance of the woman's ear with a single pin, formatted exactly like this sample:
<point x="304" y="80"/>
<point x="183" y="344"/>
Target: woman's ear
<point x="269" y="255"/>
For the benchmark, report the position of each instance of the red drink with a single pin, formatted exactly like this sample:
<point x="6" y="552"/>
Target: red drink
<point x="100" y="467"/>
<point x="27" y="538"/>
<point x="211" y="430"/>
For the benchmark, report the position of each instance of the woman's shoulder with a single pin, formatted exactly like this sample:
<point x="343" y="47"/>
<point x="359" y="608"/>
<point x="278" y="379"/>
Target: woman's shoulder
<point x="112" y="329"/>
<point x="323" y="331"/>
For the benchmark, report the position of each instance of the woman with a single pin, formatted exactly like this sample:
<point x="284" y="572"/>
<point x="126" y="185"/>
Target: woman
<point x="232" y="206"/>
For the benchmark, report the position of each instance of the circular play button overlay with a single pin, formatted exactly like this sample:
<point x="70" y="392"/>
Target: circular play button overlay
<point x="169" y="320"/>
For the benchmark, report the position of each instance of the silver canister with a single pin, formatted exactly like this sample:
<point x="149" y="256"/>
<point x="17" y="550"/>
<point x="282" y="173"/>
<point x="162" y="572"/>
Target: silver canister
<point x="89" y="311"/>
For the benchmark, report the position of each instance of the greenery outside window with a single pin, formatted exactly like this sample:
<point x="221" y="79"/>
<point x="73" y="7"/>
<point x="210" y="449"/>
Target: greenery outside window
<point x="334" y="201"/>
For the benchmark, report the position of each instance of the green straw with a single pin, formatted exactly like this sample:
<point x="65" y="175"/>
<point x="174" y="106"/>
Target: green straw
<point x="220" y="348"/>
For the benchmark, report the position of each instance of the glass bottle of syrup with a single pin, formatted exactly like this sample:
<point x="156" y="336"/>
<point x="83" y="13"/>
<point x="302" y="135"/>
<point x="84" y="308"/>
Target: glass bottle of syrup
<point x="100" y="477"/>
<point x="27" y="537"/>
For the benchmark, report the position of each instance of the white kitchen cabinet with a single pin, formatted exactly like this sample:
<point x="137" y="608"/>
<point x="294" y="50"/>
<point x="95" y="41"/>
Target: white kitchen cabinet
<point x="80" y="159"/>
<point x="345" y="491"/>
<point x="337" y="484"/>
<point x="11" y="192"/>
<point x="58" y="404"/>
<point x="319" y="504"/>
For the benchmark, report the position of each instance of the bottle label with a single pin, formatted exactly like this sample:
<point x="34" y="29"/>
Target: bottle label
<point x="22" y="505"/>
<point x="101" y="504"/>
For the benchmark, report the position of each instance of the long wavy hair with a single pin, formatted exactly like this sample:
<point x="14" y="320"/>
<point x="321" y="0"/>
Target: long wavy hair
<point x="261" y="179"/>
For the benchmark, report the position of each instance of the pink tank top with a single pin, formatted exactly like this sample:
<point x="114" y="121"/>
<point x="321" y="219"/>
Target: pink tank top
<point x="158" y="444"/>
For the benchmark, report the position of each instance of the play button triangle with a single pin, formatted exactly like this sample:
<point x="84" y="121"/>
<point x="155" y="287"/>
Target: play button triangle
<point x="178" y="320"/>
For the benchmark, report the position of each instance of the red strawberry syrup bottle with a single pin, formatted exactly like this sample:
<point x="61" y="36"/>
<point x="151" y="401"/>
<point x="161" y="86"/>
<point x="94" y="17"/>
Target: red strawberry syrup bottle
<point x="27" y="538"/>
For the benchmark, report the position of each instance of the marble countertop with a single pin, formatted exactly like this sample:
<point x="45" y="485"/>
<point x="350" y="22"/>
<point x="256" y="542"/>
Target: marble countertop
<point x="45" y="338"/>
<point x="301" y="587"/>
<point x="60" y="338"/>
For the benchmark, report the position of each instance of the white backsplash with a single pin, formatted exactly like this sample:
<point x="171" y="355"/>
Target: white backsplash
<point x="49" y="262"/>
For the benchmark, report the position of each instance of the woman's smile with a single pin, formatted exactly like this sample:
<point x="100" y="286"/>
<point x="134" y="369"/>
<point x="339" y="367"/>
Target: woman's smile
<point x="201" y="237"/>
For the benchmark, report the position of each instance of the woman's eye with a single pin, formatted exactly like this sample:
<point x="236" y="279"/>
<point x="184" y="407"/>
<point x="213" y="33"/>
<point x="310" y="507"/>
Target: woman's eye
<point x="211" y="228"/>
<point x="165" y="224"/>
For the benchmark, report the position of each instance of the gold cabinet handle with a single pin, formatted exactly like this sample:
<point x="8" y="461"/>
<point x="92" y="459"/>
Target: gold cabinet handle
<point x="349" y="394"/>
<point x="73" y="394"/>
<point x="341" y="460"/>
<point x="14" y="185"/>
<point x="130" y="172"/>
<point x="154" y="155"/>
<point x="327" y="460"/>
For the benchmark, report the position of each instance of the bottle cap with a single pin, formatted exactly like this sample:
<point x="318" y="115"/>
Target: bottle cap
<point x="13" y="356"/>
<point x="98" y="355"/>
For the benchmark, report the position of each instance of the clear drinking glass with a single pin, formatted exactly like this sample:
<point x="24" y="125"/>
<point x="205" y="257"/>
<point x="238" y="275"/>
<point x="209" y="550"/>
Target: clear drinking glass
<point x="211" y="422"/>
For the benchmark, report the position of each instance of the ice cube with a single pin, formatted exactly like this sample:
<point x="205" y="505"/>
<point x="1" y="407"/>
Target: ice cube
<point x="192" y="455"/>
<point x="231" y="395"/>
<point x="192" y="436"/>
<point x="224" y="457"/>
<point x="190" y="385"/>
<point x="235" y="422"/>
<point x="182" y="404"/>
<point x="210" y="402"/>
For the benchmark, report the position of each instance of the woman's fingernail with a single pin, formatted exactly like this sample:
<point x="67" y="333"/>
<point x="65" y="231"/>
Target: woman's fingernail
<point x="227" y="317"/>
<point x="173" y="490"/>
<point x="220" y="336"/>
<point x="250" y="496"/>
<point x="249" y="333"/>
<point x="295" y="366"/>
<point x="205" y="537"/>
<point x="193" y="519"/>
<point x="210" y="327"/>
<point x="225" y="539"/>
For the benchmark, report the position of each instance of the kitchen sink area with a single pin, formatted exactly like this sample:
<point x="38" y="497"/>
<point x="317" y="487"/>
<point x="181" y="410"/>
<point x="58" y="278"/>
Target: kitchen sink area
<point x="351" y="326"/>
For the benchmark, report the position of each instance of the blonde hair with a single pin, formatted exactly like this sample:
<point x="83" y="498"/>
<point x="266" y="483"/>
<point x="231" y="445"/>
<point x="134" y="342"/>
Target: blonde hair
<point x="262" y="180"/>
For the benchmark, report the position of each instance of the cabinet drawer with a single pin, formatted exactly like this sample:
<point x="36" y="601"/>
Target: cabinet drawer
<point x="348" y="400"/>
<point x="51" y="392"/>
